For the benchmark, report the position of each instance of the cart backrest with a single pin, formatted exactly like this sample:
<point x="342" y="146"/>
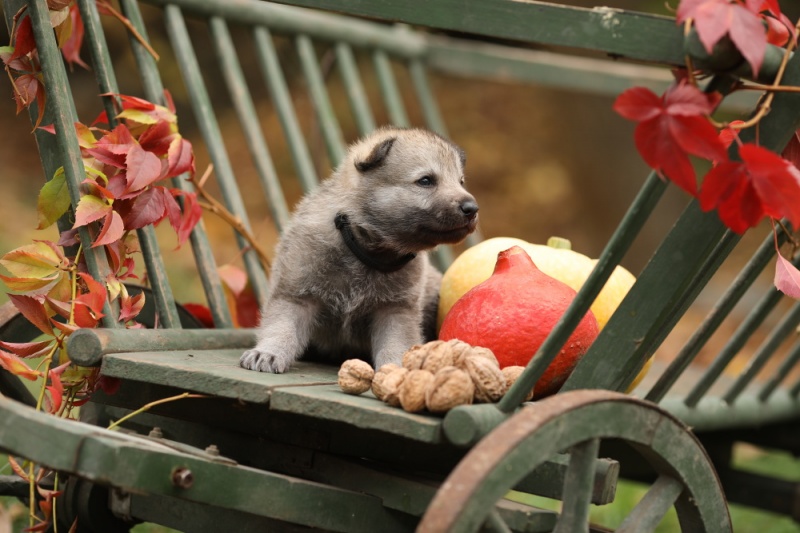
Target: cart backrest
<point x="681" y="267"/>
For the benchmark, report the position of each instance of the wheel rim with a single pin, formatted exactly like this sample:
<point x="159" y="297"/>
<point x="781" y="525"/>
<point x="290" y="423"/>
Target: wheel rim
<point x="577" y="421"/>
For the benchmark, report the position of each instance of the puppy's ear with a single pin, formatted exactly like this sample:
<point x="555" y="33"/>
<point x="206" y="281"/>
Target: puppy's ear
<point x="376" y="156"/>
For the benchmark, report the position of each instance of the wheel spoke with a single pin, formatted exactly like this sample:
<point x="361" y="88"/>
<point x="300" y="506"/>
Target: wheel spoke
<point x="495" y="523"/>
<point x="578" y="484"/>
<point x="649" y="512"/>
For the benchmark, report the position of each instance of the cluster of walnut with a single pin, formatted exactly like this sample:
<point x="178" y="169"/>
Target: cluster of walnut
<point x="436" y="376"/>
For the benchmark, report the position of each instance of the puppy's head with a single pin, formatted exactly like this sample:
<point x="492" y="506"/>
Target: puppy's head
<point x="410" y="184"/>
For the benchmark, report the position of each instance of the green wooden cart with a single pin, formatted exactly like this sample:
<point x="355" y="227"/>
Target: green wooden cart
<point x="262" y="452"/>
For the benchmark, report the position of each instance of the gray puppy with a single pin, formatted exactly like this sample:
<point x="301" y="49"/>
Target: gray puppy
<point x="351" y="277"/>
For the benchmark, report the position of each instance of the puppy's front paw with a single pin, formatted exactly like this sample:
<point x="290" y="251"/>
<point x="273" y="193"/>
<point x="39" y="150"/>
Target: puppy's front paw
<point x="262" y="361"/>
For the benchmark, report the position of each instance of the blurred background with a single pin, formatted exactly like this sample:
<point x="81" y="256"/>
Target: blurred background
<point x="542" y="161"/>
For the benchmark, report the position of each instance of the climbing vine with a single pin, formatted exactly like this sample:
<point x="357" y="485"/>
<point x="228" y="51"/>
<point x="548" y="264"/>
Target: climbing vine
<point x="754" y="184"/>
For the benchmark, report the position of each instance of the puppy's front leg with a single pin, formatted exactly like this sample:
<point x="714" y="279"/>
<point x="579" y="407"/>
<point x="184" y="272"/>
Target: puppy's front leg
<point x="283" y="335"/>
<point x="394" y="331"/>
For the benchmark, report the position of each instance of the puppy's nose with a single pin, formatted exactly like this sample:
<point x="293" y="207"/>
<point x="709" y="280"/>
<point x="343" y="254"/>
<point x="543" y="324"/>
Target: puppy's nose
<point x="469" y="208"/>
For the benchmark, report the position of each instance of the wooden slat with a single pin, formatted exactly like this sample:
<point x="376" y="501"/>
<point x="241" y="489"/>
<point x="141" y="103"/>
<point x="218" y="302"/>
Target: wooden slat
<point x="365" y="411"/>
<point x="212" y="372"/>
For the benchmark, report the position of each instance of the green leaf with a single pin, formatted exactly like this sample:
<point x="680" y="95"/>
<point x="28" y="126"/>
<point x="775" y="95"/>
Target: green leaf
<point x="36" y="260"/>
<point x="90" y="208"/>
<point x="53" y="200"/>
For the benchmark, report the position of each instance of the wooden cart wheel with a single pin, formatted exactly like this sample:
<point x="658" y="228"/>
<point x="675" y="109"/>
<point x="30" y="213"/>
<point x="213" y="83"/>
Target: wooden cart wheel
<point x="577" y="422"/>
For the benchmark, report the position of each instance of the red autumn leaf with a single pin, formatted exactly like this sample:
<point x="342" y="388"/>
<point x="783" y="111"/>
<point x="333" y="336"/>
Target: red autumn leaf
<point x="714" y="19"/>
<point x="16" y="366"/>
<point x="130" y="307"/>
<point x="112" y="148"/>
<point x="762" y="184"/>
<point x="112" y="231"/>
<point x="169" y="101"/>
<point x="143" y="168"/>
<point x="787" y="278"/>
<point x="201" y="312"/>
<point x="71" y="49"/>
<point x="671" y="127"/>
<point x="157" y="138"/>
<point x="56" y="388"/>
<point x="729" y="133"/>
<point x="90" y="208"/>
<point x="23" y="39"/>
<point x="27" y="349"/>
<point x="792" y="151"/>
<point x="237" y="287"/>
<point x="180" y="157"/>
<point x="95" y="296"/>
<point x="192" y="213"/>
<point x="108" y="384"/>
<point x="34" y="311"/>
<point x="132" y="102"/>
<point x="26" y="89"/>
<point x="147" y="208"/>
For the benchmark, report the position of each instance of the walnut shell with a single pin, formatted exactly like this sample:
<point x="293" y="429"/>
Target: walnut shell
<point x="386" y="383"/>
<point x="459" y="349"/>
<point x="489" y="381"/>
<point x="413" y="389"/>
<point x="430" y="356"/>
<point x="414" y="357"/>
<point x="439" y="355"/>
<point x="475" y="351"/>
<point x="512" y="374"/>
<point x="451" y="387"/>
<point x="355" y="376"/>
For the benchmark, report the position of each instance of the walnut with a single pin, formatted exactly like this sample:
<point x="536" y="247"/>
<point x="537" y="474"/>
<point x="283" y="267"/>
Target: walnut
<point x="475" y="351"/>
<point x="459" y="349"/>
<point x="511" y="374"/>
<point x="430" y="356"/>
<point x="451" y="387"/>
<point x="414" y="357"/>
<point x="355" y="376"/>
<point x="489" y="381"/>
<point x="386" y="383"/>
<point x="413" y="389"/>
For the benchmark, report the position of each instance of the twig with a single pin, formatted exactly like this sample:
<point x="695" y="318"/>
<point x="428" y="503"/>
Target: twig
<point x="127" y="23"/>
<point x="211" y="204"/>
<point x="150" y="405"/>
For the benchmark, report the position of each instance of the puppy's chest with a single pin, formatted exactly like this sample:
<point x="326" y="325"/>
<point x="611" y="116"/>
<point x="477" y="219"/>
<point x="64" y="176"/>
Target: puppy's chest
<point x="360" y="294"/>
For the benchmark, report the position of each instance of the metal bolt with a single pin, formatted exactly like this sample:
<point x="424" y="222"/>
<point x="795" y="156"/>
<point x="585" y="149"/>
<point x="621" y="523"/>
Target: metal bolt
<point x="155" y="433"/>
<point x="182" y="478"/>
<point x="212" y="450"/>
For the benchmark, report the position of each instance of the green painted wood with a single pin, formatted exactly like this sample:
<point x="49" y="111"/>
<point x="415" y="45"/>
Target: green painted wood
<point x="62" y="111"/>
<point x="745" y="330"/>
<point x="652" y="508"/>
<point x="713" y="413"/>
<point x="88" y="346"/>
<point x="618" y="33"/>
<point x="578" y="488"/>
<point x="281" y="98"/>
<point x="714" y="319"/>
<point x="330" y="403"/>
<point x="613" y="361"/>
<point x="354" y="88"/>
<point x="426" y="98"/>
<point x="786" y="366"/>
<point x="326" y="117"/>
<point x="615" y="249"/>
<point x="233" y="75"/>
<point x="201" y="248"/>
<point x="293" y="21"/>
<point x="214" y="372"/>
<point x="496" y="523"/>
<point x="209" y="128"/>
<point x="765" y="352"/>
<point x="140" y="465"/>
<point x="389" y="90"/>
<point x="539" y="431"/>
<point x="107" y="83"/>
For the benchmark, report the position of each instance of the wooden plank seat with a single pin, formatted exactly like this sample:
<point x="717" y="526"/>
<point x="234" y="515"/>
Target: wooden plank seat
<point x="291" y="429"/>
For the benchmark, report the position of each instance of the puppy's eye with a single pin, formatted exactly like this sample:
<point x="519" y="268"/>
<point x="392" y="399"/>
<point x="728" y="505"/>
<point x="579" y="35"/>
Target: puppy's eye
<point x="426" y="181"/>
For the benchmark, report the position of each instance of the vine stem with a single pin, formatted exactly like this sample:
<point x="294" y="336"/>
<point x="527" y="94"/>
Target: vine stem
<point x="127" y="23"/>
<point x="150" y="405"/>
<point x="214" y="206"/>
<point x="766" y="104"/>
